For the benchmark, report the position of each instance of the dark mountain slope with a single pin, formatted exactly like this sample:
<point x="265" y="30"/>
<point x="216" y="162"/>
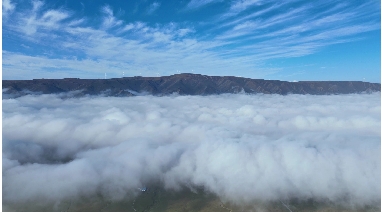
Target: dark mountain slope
<point x="184" y="84"/>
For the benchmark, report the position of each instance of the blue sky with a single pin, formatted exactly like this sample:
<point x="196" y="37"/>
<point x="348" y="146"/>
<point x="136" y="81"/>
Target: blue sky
<point x="268" y="39"/>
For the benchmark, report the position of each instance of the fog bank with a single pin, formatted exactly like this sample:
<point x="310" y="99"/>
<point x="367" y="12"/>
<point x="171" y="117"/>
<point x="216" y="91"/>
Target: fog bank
<point x="239" y="147"/>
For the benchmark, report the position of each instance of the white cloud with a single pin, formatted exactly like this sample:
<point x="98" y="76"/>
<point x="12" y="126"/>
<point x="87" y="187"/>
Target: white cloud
<point x="183" y="32"/>
<point x="193" y="4"/>
<point x="109" y="21"/>
<point x="153" y="7"/>
<point x="294" y="38"/>
<point x="32" y="22"/>
<point x="41" y="67"/>
<point x="146" y="50"/>
<point x="54" y="16"/>
<point x="8" y="7"/>
<point x="36" y="5"/>
<point x="240" y="147"/>
<point x="239" y="43"/>
<point x="241" y="5"/>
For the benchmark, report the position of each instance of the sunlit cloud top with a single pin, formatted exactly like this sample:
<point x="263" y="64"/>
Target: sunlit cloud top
<point x="240" y="147"/>
<point x="289" y="40"/>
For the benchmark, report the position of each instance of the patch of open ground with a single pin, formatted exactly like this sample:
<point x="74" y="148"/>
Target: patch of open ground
<point x="160" y="200"/>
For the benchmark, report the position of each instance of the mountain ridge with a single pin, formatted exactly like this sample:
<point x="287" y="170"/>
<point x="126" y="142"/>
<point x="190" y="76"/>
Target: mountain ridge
<point x="184" y="84"/>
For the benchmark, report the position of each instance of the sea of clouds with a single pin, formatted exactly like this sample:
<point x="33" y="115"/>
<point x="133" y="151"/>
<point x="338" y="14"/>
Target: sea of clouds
<point x="239" y="147"/>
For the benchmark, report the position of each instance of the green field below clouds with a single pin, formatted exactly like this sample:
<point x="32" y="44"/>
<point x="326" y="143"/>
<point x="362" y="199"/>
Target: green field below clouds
<point x="157" y="200"/>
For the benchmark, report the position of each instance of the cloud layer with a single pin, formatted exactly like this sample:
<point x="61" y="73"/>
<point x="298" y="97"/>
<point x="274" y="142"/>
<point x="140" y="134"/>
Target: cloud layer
<point x="46" y="40"/>
<point x="239" y="147"/>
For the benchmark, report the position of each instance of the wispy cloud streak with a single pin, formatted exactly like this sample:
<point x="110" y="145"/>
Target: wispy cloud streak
<point x="153" y="7"/>
<point x="242" y="40"/>
<point x="193" y="4"/>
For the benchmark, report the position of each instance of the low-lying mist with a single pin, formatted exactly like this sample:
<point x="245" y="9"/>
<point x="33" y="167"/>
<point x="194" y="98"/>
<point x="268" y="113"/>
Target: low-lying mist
<point x="242" y="148"/>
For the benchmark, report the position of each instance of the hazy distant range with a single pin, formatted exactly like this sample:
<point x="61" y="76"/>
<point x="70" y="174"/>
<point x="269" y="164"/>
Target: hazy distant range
<point x="183" y="84"/>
